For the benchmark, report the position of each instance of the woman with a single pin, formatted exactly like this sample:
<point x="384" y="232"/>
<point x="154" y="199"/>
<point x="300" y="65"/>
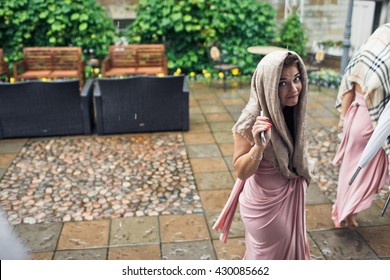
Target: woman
<point x="274" y="173"/>
<point x="357" y="131"/>
<point x="362" y="97"/>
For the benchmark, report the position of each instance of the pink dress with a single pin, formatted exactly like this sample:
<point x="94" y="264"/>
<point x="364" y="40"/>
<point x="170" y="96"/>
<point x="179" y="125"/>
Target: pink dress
<point x="273" y="212"/>
<point x="358" y="197"/>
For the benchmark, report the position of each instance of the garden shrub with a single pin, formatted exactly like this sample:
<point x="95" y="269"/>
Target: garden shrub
<point x="292" y="35"/>
<point x="189" y="27"/>
<point x="83" y="23"/>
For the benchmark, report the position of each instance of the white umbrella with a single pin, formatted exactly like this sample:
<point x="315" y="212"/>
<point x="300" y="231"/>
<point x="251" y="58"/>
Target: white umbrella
<point x="377" y="139"/>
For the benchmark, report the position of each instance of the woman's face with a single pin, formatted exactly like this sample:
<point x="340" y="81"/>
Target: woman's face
<point x="290" y="86"/>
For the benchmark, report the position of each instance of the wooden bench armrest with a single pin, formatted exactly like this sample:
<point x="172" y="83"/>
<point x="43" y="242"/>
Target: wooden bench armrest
<point x="106" y="65"/>
<point x="16" y="65"/>
<point x="165" y="65"/>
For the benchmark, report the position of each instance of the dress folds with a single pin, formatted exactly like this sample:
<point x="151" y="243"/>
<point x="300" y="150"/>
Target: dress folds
<point x="273" y="212"/>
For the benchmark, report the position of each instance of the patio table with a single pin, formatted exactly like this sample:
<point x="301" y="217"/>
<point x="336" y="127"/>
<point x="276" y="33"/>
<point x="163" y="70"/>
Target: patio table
<point x="264" y="50"/>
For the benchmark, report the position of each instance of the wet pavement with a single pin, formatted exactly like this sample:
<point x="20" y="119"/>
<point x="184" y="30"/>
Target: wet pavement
<point x="157" y="195"/>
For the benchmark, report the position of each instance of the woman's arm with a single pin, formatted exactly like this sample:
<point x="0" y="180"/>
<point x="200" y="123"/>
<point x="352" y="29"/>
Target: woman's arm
<point x="244" y="165"/>
<point x="246" y="158"/>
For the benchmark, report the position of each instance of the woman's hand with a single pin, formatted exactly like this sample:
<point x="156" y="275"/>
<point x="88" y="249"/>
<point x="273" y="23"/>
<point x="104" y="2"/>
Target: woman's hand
<point x="261" y="124"/>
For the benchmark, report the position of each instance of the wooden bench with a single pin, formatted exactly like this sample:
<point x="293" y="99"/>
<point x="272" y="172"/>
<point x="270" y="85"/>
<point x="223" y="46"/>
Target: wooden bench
<point x="138" y="59"/>
<point x="51" y="63"/>
<point x="3" y="65"/>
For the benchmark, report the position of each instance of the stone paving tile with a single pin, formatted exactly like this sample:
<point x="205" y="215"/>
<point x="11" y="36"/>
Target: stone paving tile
<point x="201" y="151"/>
<point x="236" y="229"/>
<point x="234" y="108"/>
<point x="212" y="109"/>
<point x="208" y="165"/>
<point x="226" y="148"/>
<point x="315" y="253"/>
<point x="319" y="217"/>
<point x="222" y="127"/>
<point x="313" y="123"/>
<point x="320" y="114"/>
<point x="372" y="216"/>
<point x="175" y="228"/>
<point x="86" y="254"/>
<point x="214" y="200"/>
<point x="141" y="230"/>
<point x="223" y="137"/>
<point x="2" y="171"/>
<point x="6" y="159"/>
<point x="218" y="117"/>
<point x="83" y="235"/>
<point x="199" y="127"/>
<point x="233" y="249"/>
<point x="328" y="122"/>
<point x="235" y="115"/>
<point x="192" y="250"/>
<point x="39" y="237"/>
<point x="315" y="196"/>
<point x="215" y="102"/>
<point x="11" y="145"/>
<point x="198" y="138"/>
<point x="229" y="163"/>
<point x="42" y="256"/>
<point x="234" y="101"/>
<point x="213" y="180"/>
<point x="314" y="106"/>
<point x="234" y="175"/>
<point x="205" y="95"/>
<point x="196" y="118"/>
<point x="381" y="204"/>
<point x="342" y="244"/>
<point x="141" y="252"/>
<point x="378" y="238"/>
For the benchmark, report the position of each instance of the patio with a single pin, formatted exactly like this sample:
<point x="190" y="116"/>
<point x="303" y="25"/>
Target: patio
<point x="156" y="196"/>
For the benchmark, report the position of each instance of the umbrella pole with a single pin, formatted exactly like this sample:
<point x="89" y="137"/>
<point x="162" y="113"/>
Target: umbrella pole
<point x="386" y="205"/>
<point x="354" y="175"/>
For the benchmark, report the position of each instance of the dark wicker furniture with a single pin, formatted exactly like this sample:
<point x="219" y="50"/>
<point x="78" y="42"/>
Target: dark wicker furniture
<point x="37" y="109"/>
<point x="141" y="104"/>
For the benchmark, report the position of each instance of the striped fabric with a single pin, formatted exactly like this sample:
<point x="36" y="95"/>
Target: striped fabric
<point x="369" y="67"/>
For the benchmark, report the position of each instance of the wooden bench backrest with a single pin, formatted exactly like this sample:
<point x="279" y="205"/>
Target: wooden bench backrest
<point x="66" y="58"/>
<point x="37" y="58"/>
<point x="123" y="56"/>
<point x="150" y="55"/>
<point x="45" y="58"/>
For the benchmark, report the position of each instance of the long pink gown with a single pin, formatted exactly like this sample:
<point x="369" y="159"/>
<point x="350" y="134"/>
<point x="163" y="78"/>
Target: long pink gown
<point x="273" y="212"/>
<point x="358" y="197"/>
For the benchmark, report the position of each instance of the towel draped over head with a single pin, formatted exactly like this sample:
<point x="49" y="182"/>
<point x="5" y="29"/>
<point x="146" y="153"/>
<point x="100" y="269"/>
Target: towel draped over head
<point x="369" y="67"/>
<point x="286" y="154"/>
